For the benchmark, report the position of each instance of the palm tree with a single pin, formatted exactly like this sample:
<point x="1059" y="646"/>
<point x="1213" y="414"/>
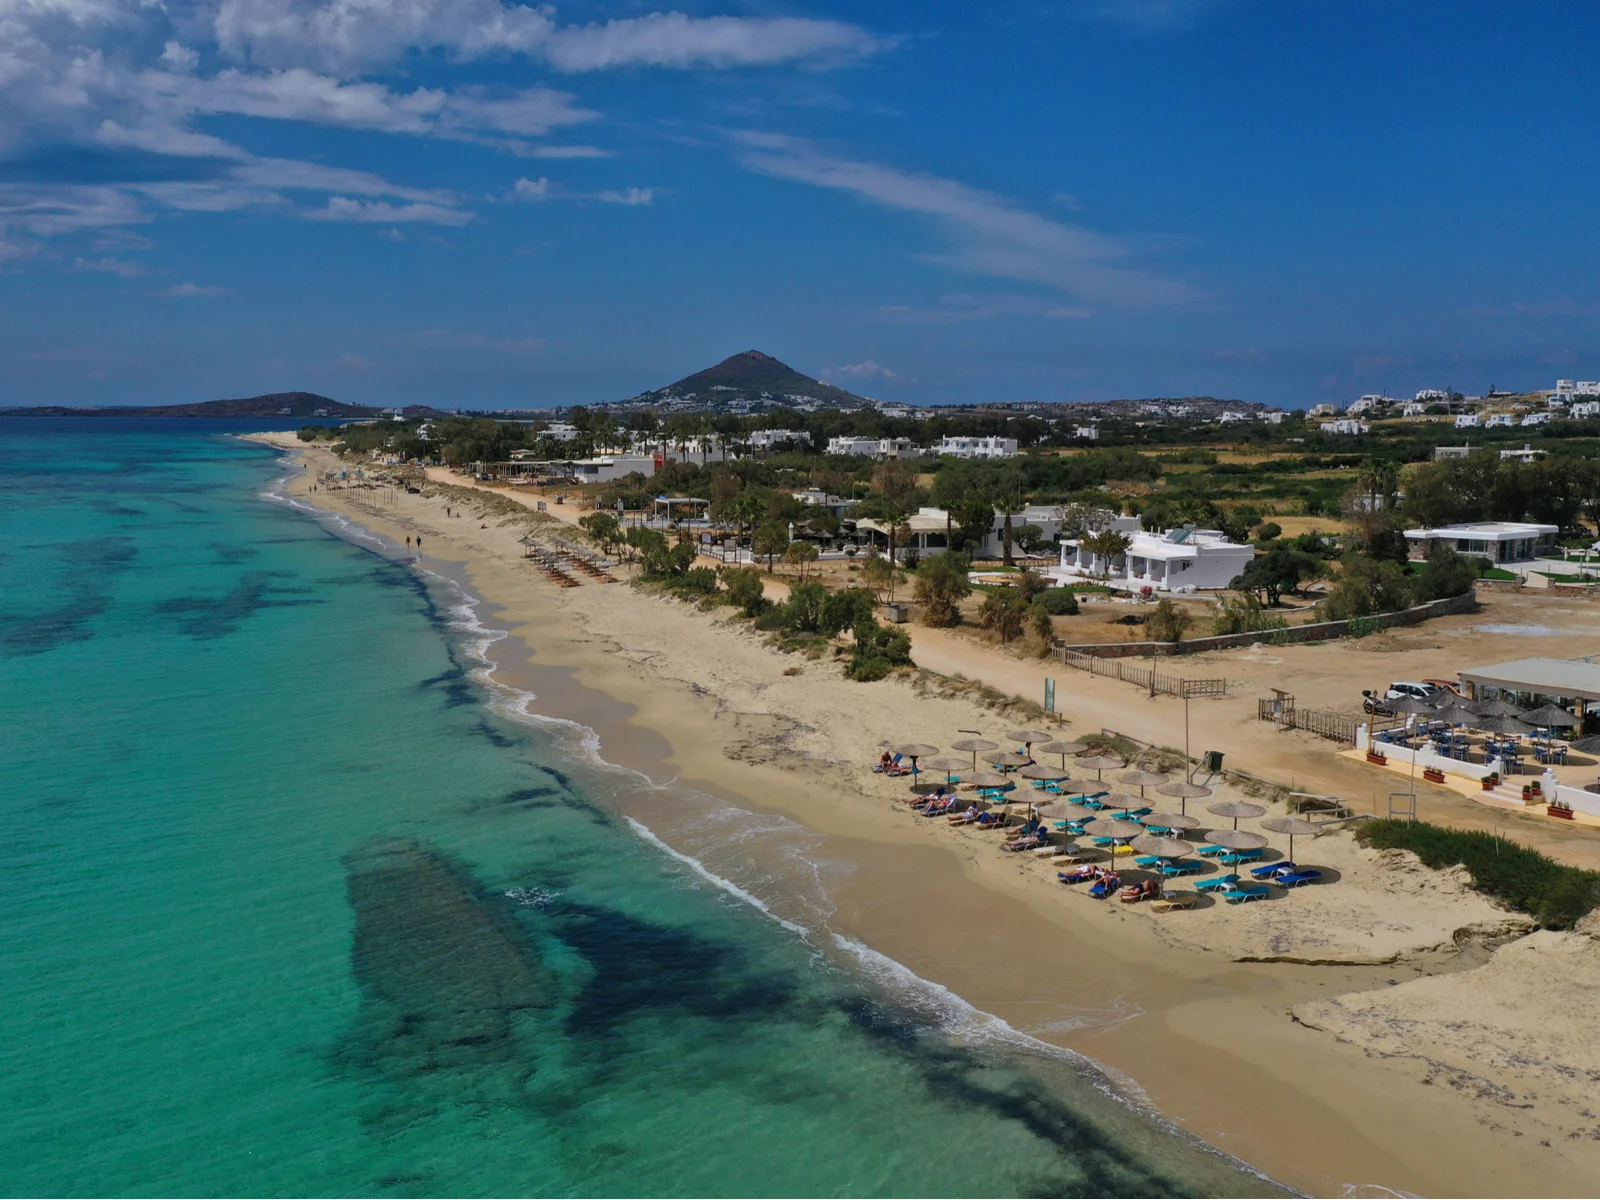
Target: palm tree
<point x="1378" y="480"/>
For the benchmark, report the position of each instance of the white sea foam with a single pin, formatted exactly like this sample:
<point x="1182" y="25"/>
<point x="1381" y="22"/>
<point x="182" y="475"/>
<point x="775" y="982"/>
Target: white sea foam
<point x="711" y="877"/>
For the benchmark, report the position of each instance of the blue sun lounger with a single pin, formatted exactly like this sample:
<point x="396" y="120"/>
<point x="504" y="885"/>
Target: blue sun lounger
<point x="1268" y="870"/>
<point x="1238" y="858"/>
<point x="1211" y="851"/>
<point x="1247" y="894"/>
<point x="1299" y="878"/>
<point x="1172" y="870"/>
<point x="1147" y="861"/>
<point x="1216" y="883"/>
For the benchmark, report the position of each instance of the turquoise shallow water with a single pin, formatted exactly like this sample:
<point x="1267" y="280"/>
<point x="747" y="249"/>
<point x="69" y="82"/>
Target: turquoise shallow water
<point x="287" y="909"/>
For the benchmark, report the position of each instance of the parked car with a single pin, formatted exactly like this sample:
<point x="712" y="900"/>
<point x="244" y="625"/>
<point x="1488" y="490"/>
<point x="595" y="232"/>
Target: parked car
<point x="1402" y="690"/>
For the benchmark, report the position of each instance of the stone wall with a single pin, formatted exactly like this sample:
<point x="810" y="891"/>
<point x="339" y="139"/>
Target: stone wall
<point x="1322" y="631"/>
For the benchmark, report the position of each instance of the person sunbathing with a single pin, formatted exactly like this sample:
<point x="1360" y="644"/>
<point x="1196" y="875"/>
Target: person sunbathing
<point x="971" y="813"/>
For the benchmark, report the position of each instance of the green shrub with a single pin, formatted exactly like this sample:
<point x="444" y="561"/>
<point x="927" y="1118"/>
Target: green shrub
<point x="1555" y="895"/>
<point x="878" y="650"/>
<point x="844" y="609"/>
<point x="1058" y="602"/>
<point x="697" y="581"/>
<point x="746" y="592"/>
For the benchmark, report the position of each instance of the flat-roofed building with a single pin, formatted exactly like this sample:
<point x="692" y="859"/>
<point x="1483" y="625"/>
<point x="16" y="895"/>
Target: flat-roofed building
<point x="1177" y="560"/>
<point x="1497" y="541"/>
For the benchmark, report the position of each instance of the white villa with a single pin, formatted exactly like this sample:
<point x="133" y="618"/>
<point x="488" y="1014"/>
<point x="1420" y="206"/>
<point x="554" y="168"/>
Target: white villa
<point x="1498" y="541"/>
<point x="1344" y="425"/>
<point x="977" y="447"/>
<point x="766" y="439"/>
<point x="1468" y="420"/>
<point x="1526" y="455"/>
<point x="1178" y="560"/>
<point x="894" y="447"/>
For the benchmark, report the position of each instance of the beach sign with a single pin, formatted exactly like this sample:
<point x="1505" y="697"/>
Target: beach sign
<point x="1049" y="695"/>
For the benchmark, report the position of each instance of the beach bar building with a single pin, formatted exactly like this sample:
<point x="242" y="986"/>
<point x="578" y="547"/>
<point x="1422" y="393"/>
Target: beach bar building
<point x="1178" y="560"/>
<point x="1572" y="683"/>
<point x="1497" y="541"/>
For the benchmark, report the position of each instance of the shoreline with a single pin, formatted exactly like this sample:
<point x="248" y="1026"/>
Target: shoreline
<point x="1209" y="1041"/>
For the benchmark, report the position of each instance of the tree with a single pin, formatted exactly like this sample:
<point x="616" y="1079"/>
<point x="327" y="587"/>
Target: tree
<point x="1366" y="587"/>
<point x="603" y="527"/>
<point x="800" y="555"/>
<point x="1167" y="622"/>
<point x="843" y="609"/>
<point x="804" y="609"/>
<point x="1008" y="498"/>
<point x="745" y="589"/>
<point x="895" y="482"/>
<point x="941" y="586"/>
<point x="1003" y="612"/>
<point x="771" y="540"/>
<point x="1031" y="539"/>
<point x="1107" y="546"/>
<point x="1269" y="532"/>
<point x="878" y="650"/>
<point x="975" y="515"/>
<point x="1376" y="483"/>
<point x="661" y="560"/>
<point x="1244" y="614"/>
<point x="1030" y="584"/>
<point x="879" y="575"/>
<point x="1446" y="573"/>
<point x="1270" y="575"/>
<point x="1044" y="625"/>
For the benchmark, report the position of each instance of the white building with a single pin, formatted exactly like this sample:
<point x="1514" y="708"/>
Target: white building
<point x="1413" y="409"/>
<point x="1179" y="559"/>
<point x="1233" y="418"/>
<point x="1586" y="387"/>
<point x="1500" y="421"/>
<point x="1365" y="405"/>
<point x="601" y="469"/>
<point x="1468" y="420"/>
<point x="1322" y="410"/>
<point x="1344" y="426"/>
<point x="1498" y="541"/>
<point x="559" y="431"/>
<point x="1584" y="408"/>
<point x="767" y="439"/>
<point x="977" y="447"/>
<point x="1536" y="419"/>
<point x="1089" y="433"/>
<point x="1526" y="455"/>
<point x="1271" y="417"/>
<point x="862" y="447"/>
<point x="1428" y="395"/>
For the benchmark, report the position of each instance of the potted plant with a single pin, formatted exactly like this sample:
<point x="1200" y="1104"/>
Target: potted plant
<point x="1377" y="758"/>
<point x="1433" y="774"/>
<point x="1558" y="809"/>
<point x="1490" y="782"/>
<point x="1527" y="793"/>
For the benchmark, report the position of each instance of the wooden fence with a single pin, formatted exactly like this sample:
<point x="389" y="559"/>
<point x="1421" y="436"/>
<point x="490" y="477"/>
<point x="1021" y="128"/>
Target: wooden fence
<point x="1147" y="677"/>
<point x="1338" y="727"/>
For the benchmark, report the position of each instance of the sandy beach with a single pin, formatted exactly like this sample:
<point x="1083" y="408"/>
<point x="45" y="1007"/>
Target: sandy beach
<point x="1378" y="1033"/>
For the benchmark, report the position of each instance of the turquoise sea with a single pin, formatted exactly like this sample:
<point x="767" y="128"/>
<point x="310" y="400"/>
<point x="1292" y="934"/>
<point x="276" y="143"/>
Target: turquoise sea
<point x="287" y="907"/>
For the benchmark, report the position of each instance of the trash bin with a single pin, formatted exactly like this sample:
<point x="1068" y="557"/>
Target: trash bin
<point x="1212" y="762"/>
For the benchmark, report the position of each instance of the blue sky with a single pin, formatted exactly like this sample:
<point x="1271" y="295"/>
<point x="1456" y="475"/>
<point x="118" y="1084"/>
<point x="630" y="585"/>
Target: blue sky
<point x="479" y="203"/>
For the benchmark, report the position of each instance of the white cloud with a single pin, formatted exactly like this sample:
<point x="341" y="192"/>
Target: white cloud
<point x="110" y="266"/>
<point x="991" y="234"/>
<point x="354" y="36"/>
<point x="531" y="189"/>
<point x="48" y="210"/>
<point x="342" y="208"/>
<point x="676" y="40"/>
<point x="527" y="151"/>
<point x="863" y="370"/>
<point x="629" y="196"/>
<point x="182" y="291"/>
